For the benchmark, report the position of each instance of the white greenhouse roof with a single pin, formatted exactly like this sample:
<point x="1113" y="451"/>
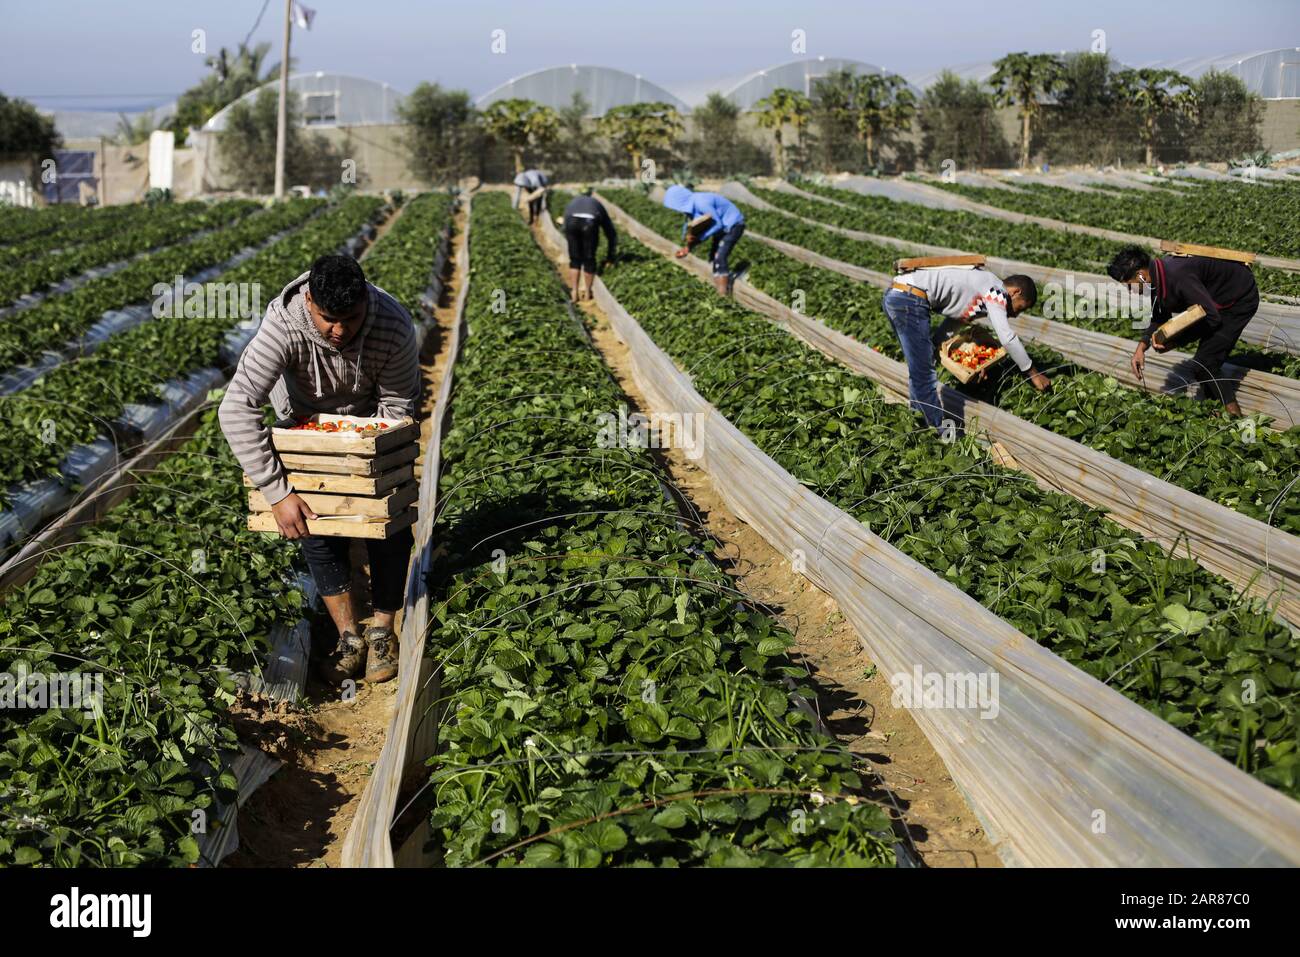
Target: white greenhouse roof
<point x="603" y="87"/>
<point x="795" y="75"/>
<point x="330" y="99"/>
<point x="1273" y="74"/>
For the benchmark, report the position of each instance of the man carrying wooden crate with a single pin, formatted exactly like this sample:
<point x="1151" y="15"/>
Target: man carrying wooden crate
<point x="962" y="294"/>
<point x="1224" y="288"/>
<point x="329" y="343"/>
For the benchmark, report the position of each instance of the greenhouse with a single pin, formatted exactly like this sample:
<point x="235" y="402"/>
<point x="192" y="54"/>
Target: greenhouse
<point x="602" y="87"/>
<point x="329" y="99"/>
<point x="1270" y="74"/>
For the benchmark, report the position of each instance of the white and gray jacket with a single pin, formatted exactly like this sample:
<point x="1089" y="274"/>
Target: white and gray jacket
<point x="967" y="294"/>
<point x="290" y="363"/>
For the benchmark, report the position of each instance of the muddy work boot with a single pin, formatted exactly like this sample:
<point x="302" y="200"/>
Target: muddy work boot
<point x="382" y="663"/>
<point x="347" y="658"/>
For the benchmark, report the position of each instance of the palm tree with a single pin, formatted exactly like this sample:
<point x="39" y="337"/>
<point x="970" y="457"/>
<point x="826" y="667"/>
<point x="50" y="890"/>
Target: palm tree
<point x="780" y="107"/>
<point x="231" y="78"/>
<point x="1021" y="79"/>
<point x="641" y="127"/>
<point x="1152" y="94"/>
<point x="521" y="124"/>
<point x="884" y="103"/>
<point x="872" y="105"/>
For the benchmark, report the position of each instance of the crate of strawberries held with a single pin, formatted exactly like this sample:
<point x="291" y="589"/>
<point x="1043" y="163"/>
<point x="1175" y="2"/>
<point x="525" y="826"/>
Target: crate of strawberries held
<point x="970" y="353"/>
<point x="357" y="474"/>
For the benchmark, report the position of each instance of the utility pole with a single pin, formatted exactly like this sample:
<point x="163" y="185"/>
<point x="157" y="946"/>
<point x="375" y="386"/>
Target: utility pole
<point x="282" y="121"/>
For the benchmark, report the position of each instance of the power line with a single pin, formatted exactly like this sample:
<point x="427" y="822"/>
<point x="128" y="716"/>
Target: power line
<point x="256" y="23"/>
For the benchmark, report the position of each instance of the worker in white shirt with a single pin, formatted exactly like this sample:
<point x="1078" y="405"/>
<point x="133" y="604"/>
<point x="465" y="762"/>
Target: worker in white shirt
<point x="963" y="295"/>
<point x="535" y="182"/>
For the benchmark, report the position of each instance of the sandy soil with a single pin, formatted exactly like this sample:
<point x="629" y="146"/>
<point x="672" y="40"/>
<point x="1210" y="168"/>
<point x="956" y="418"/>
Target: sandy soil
<point x="913" y="783"/>
<point x="301" y="815"/>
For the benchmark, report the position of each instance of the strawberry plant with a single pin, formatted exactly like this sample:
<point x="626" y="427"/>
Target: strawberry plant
<point x="1171" y="436"/>
<point x="1157" y="628"/>
<point x="51" y="323"/>
<point x="145" y="229"/>
<point x="1027" y="242"/>
<point x="18" y="223"/>
<point x="1262" y="220"/>
<point x="605" y="699"/>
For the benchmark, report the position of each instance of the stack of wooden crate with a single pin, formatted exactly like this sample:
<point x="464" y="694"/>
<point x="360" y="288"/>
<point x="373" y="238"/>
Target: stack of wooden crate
<point x="360" y="481"/>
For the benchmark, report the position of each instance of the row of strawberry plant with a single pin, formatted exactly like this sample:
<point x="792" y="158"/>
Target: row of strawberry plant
<point x="81" y="397"/>
<point x="1250" y="469"/>
<point x="96" y="223"/>
<point x="163" y="598"/>
<point x="605" y="698"/>
<point x="147" y="229"/>
<point x="401" y="261"/>
<point x="61" y="318"/>
<point x="1157" y="628"/>
<point x="1025" y="242"/>
<point x="1259" y="217"/>
<point x="20" y="223"/>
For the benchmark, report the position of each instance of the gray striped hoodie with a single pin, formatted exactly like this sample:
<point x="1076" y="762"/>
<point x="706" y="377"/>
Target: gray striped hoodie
<point x="302" y="373"/>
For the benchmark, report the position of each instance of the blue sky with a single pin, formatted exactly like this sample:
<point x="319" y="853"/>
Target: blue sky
<point x="80" y="54"/>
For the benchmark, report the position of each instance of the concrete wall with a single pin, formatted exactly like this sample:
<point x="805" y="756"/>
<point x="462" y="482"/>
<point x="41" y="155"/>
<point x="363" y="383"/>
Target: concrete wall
<point x="377" y="150"/>
<point x="1281" y="129"/>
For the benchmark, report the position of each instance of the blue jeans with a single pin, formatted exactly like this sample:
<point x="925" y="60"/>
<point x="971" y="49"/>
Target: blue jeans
<point x="910" y="317"/>
<point x="721" y="249"/>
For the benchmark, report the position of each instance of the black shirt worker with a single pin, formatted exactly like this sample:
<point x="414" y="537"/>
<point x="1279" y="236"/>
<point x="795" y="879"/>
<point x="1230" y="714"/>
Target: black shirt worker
<point x="1224" y="288"/>
<point x="584" y="220"/>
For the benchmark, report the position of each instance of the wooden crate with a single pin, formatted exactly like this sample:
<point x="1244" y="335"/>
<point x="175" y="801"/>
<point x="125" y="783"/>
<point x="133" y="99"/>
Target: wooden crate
<point x="359" y="483"/>
<point x="379" y="506"/>
<point x="347" y="484"/>
<point x="399" y="432"/>
<point x="365" y="465"/>
<point x="1213" y="252"/>
<point x="1178" y="324"/>
<point x="929" y="262"/>
<point x="698" y="226"/>
<point x="352" y="526"/>
<point x="977" y="335"/>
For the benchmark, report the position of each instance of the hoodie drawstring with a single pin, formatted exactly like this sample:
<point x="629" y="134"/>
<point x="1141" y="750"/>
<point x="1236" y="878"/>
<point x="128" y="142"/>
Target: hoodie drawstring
<point x="356" y="382"/>
<point x="315" y="365"/>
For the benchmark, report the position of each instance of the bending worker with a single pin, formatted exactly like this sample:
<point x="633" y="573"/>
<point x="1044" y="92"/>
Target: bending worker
<point x="728" y="223"/>
<point x="535" y="181"/>
<point x="962" y="295"/>
<point x="1224" y="288"/>
<point x="584" y="219"/>
<point x="329" y="343"/>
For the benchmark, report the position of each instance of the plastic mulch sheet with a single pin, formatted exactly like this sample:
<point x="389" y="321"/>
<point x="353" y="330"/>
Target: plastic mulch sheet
<point x="85" y="464"/>
<point x="1069" y="772"/>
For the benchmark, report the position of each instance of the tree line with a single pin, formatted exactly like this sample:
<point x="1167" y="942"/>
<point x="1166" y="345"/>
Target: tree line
<point x="1073" y="108"/>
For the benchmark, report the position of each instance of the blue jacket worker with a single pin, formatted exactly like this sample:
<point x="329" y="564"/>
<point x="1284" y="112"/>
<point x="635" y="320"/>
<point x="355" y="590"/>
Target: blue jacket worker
<point x="728" y="223"/>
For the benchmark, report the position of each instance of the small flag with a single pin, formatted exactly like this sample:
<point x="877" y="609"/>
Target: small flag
<point x="303" y="15"/>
